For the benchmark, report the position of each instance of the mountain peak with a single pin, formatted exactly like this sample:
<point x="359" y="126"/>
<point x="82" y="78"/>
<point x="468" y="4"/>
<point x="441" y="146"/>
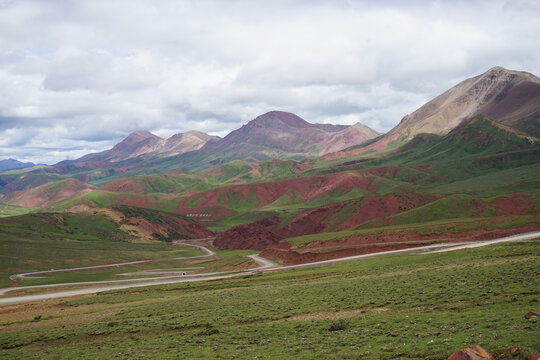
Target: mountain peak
<point x="496" y="69"/>
<point x="499" y="72"/>
<point x="142" y="135"/>
<point x="137" y="143"/>
<point x="274" y="117"/>
<point x="188" y="141"/>
<point x="138" y="137"/>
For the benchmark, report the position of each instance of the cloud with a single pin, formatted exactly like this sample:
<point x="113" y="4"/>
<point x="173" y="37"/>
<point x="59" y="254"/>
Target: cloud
<point x="78" y="76"/>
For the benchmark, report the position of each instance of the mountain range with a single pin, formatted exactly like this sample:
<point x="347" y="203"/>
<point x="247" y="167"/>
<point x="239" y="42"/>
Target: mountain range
<point x="464" y="165"/>
<point x="506" y="96"/>
<point x="144" y="143"/>
<point x="275" y="134"/>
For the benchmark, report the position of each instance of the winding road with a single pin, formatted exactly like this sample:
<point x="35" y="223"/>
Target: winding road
<point x="265" y="265"/>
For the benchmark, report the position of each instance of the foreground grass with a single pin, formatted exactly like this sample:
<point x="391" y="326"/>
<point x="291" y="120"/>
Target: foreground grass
<point x="407" y="306"/>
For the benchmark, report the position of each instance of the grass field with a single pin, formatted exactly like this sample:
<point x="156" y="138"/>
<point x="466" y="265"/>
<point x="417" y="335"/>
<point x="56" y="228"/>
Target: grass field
<point x="407" y="306"/>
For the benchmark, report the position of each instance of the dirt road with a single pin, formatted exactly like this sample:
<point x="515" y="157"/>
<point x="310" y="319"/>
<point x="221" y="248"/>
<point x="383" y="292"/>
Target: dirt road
<point x="265" y="266"/>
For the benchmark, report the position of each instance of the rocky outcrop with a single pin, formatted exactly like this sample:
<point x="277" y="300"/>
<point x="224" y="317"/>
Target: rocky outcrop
<point x="474" y="352"/>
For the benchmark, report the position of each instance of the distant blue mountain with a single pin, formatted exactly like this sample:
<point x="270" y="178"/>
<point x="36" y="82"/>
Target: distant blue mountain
<point x="14" y="164"/>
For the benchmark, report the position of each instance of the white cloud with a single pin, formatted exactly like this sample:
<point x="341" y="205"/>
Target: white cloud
<point x="78" y="76"/>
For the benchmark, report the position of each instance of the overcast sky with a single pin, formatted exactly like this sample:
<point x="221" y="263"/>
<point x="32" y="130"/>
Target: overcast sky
<point x="78" y="76"/>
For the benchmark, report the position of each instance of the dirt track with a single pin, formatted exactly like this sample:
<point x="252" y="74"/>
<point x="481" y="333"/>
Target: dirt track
<point x="265" y="265"/>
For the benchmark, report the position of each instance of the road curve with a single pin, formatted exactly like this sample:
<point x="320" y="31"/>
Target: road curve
<point x="266" y="266"/>
<point x="264" y="263"/>
<point x="209" y="253"/>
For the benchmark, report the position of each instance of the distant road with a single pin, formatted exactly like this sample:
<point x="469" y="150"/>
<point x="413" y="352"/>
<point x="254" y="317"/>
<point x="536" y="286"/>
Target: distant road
<point x="265" y="266"/>
<point x="32" y="275"/>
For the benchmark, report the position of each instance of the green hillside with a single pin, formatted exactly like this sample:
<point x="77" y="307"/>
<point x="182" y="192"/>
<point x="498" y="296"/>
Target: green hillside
<point x="61" y="240"/>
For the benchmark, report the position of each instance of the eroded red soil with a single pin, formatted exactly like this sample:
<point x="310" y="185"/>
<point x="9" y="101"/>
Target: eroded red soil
<point x="367" y="244"/>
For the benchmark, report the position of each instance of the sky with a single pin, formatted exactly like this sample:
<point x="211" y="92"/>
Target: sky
<point x="78" y="76"/>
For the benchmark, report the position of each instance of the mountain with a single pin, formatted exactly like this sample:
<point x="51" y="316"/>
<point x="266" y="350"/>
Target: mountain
<point x="10" y="164"/>
<point x="506" y="96"/>
<point x="273" y="135"/>
<point x="136" y="144"/>
<point x="144" y="143"/>
<point x="352" y="136"/>
<point x="185" y="142"/>
<point x="286" y="132"/>
<point x="503" y="95"/>
<point x="281" y="135"/>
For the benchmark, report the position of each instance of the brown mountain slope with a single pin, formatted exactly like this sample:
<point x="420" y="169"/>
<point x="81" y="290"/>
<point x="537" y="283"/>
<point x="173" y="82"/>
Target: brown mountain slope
<point x="504" y="95"/>
<point x="353" y="135"/>
<point x="137" y="143"/>
<point x="184" y="142"/>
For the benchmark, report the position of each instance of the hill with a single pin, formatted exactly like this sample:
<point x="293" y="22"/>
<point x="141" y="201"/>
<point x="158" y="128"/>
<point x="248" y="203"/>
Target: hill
<point x="409" y="182"/>
<point x="48" y="194"/>
<point x="42" y="241"/>
<point x="9" y="164"/>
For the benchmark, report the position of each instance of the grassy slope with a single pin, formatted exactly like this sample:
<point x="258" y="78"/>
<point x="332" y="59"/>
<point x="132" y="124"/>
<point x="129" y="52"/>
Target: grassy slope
<point x="42" y="241"/>
<point x="408" y="306"/>
<point x="12" y="210"/>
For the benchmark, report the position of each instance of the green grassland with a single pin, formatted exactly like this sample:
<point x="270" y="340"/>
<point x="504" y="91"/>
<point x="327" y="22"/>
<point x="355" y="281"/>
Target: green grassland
<point x="43" y="241"/>
<point x="406" y="306"/>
